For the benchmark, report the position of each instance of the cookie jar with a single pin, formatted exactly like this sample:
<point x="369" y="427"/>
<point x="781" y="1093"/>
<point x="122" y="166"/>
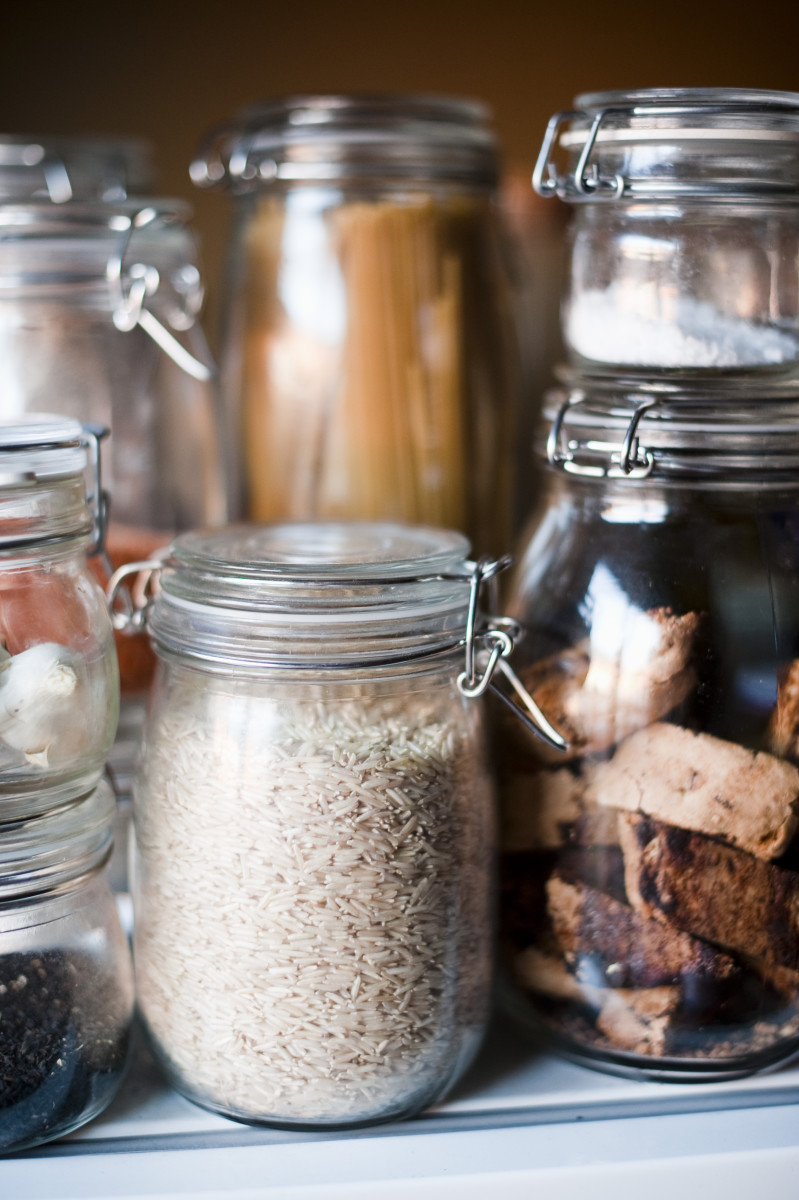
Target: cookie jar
<point x="371" y="364"/>
<point x="314" y="820"/>
<point x="684" y="247"/>
<point x="59" y="685"/>
<point x="66" y="981"/>
<point x="650" y="872"/>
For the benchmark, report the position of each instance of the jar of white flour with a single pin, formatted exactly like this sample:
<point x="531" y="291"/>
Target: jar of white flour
<point x="684" y="250"/>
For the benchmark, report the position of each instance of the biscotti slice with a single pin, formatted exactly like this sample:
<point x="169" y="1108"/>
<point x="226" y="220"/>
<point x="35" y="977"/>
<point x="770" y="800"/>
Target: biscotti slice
<point x="784" y="725"/>
<point x="701" y="886"/>
<point x="701" y="783"/>
<point x="622" y="949"/>
<point x="599" y="692"/>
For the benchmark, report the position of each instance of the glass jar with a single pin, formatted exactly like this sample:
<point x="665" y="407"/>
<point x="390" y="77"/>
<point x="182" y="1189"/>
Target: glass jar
<point x="59" y="169"/>
<point x="370" y="362"/>
<point x="66" y="982"/>
<point x="59" y="685"/>
<point x="684" y="250"/>
<point x="650" y="873"/>
<point x="314" y="823"/>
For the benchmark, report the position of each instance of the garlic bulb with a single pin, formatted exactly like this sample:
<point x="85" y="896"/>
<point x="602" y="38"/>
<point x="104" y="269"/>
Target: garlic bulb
<point x="37" y="698"/>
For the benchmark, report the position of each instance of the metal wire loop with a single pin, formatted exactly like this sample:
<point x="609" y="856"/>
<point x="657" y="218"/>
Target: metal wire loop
<point x="132" y="288"/>
<point x="129" y="607"/>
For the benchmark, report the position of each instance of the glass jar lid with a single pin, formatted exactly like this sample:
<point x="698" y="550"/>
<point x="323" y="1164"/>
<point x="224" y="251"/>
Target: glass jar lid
<point x="46" y="248"/>
<point x="40" y="456"/>
<point x="351" y="137"/>
<point x="305" y="594"/>
<point x="602" y="431"/>
<point x="39" y="447"/>
<point x="134" y="261"/>
<point x="38" y="854"/>
<point x="59" y="169"/>
<point x="701" y="143"/>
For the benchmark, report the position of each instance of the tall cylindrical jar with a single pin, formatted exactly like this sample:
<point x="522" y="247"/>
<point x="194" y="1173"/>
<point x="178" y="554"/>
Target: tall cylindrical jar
<point x="98" y="321"/>
<point x="313" y="824"/>
<point x="66" y="982"/>
<point x="59" y="685"/>
<point x="650" y="873"/>
<point x="684" y="246"/>
<point x="370" y="359"/>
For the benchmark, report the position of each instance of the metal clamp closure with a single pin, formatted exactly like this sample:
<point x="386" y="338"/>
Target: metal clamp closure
<point x="585" y="181"/>
<point x="625" y="460"/>
<point x="129" y="606"/>
<point x="227" y="153"/>
<point x="132" y="286"/>
<point x="96" y="497"/>
<point x="487" y="651"/>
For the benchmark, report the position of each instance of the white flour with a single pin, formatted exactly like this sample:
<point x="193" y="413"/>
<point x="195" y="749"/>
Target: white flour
<point x="614" y="326"/>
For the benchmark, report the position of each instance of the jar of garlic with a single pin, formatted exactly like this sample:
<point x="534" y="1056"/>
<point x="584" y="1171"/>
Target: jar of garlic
<point x="59" y="685"/>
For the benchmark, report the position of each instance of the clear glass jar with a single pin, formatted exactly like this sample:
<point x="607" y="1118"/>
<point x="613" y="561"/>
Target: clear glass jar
<point x="314" y="824"/>
<point x="650" y="873"/>
<point x="98" y="321"/>
<point x="370" y="362"/>
<point x="60" y="169"/>
<point x="684" y="248"/>
<point x="66" y="981"/>
<point x="59" y="684"/>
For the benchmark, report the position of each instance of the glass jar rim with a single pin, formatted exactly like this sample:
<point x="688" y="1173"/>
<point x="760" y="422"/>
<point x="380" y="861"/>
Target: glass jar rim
<point x="45" y="247"/>
<point x="42" y="852"/>
<point x="599" y="430"/>
<point x="36" y="447"/>
<point x="61" y="168"/>
<point x="758" y="101"/>
<point x="355" y="136"/>
<point x="716" y="144"/>
<point x="301" y="593"/>
<point x="45" y="455"/>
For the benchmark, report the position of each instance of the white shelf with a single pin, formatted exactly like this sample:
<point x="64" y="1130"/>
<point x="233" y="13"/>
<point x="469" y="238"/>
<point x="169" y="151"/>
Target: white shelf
<point x="520" y="1121"/>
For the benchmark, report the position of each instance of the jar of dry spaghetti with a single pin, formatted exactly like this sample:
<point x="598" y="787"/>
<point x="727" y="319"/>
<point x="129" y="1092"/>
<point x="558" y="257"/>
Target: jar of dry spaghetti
<point x="370" y="362"/>
<point x="314" y="823"/>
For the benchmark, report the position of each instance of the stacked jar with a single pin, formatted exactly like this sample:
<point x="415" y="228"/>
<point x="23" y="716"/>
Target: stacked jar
<point x="99" y="298"/>
<point x="66" y="990"/>
<point x="651" y="870"/>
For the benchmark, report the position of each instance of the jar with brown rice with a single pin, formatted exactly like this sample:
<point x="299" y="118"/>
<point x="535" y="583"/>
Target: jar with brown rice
<point x="314" y="824"/>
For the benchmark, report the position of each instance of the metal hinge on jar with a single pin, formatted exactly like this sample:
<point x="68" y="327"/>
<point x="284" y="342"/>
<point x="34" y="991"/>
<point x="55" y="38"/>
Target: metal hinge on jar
<point x="134" y="284"/>
<point x="596" y="458"/>
<point x="585" y="183"/>
<point x="488" y="641"/>
<point x="488" y="648"/>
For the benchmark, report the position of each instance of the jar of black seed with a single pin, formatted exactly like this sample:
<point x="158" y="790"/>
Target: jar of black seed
<point x="66" y="986"/>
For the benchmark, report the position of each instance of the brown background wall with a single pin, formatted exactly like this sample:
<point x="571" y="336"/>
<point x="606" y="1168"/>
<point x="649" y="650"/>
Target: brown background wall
<point x="168" y="72"/>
